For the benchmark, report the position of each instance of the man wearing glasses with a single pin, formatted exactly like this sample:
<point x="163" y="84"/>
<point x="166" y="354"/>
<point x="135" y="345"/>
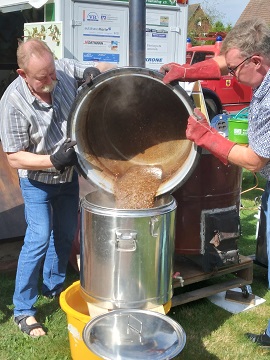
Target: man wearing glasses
<point x="245" y="54"/>
<point x="232" y="71"/>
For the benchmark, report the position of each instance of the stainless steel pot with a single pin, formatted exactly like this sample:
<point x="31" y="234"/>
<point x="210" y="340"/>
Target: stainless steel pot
<point x="129" y="117"/>
<point x="126" y="255"/>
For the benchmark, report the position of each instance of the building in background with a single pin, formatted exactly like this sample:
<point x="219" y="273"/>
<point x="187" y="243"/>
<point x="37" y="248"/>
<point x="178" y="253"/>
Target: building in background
<point x="198" y="21"/>
<point x="256" y="8"/>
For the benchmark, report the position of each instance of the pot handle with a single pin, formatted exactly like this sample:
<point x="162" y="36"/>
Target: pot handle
<point x="154" y="225"/>
<point x="126" y="240"/>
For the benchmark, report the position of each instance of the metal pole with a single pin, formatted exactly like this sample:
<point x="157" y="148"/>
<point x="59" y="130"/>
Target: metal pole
<point x="137" y="28"/>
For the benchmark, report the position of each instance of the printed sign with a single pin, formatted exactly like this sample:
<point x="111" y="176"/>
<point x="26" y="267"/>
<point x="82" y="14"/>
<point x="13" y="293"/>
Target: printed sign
<point x="101" y="35"/>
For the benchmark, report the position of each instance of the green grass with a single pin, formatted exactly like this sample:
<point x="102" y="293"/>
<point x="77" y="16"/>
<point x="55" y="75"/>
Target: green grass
<point x="212" y="333"/>
<point x="14" y="345"/>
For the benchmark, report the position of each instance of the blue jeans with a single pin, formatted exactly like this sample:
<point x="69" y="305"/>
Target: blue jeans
<point x="51" y="213"/>
<point x="266" y="209"/>
<point x="268" y="329"/>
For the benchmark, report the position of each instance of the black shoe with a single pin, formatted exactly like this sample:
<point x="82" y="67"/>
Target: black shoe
<point x="262" y="340"/>
<point x="53" y="294"/>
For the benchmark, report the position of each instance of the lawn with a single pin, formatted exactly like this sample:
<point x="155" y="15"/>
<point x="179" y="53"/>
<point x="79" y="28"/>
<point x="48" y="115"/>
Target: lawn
<point x="212" y="333"/>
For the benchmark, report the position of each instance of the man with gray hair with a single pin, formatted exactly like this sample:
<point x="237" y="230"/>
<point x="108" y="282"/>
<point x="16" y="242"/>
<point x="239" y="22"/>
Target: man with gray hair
<point x="33" y="125"/>
<point x="245" y="54"/>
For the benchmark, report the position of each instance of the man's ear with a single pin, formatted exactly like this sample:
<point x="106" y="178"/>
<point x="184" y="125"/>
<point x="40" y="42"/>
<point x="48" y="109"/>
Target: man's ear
<point x="257" y="59"/>
<point x="21" y="73"/>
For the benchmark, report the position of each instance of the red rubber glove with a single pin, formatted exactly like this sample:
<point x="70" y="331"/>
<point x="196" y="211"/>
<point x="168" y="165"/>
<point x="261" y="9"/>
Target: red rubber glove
<point x="204" y="70"/>
<point x="199" y="131"/>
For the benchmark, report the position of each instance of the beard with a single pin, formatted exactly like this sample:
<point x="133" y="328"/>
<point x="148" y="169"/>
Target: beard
<point x="49" y="88"/>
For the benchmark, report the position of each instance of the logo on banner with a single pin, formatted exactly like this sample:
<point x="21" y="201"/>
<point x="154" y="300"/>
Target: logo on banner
<point x="92" y="16"/>
<point x="154" y="60"/>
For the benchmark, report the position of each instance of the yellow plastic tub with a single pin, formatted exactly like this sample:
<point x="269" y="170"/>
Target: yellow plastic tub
<point x="77" y="313"/>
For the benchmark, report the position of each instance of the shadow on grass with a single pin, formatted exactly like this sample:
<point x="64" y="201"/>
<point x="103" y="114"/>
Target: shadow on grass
<point x="199" y="319"/>
<point x="44" y="306"/>
<point x="260" y="281"/>
<point x="7" y="287"/>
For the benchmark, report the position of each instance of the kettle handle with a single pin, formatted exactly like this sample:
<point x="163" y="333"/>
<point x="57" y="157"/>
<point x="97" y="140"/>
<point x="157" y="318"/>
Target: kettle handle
<point x="126" y="240"/>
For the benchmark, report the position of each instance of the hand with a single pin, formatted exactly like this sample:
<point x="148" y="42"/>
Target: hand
<point x="89" y="74"/>
<point x="167" y="67"/>
<point x="197" y="126"/>
<point x="173" y="71"/>
<point x="199" y="131"/>
<point x="65" y="156"/>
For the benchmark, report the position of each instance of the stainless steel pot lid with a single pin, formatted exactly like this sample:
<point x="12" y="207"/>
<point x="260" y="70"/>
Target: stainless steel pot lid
<point x="130" y="334"/>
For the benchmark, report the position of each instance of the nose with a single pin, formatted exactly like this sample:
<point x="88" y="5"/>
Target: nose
<point x="50" y="78"/>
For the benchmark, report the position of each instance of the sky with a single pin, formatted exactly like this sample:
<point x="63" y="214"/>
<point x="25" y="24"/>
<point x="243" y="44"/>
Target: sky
<point x="230" y="10"/>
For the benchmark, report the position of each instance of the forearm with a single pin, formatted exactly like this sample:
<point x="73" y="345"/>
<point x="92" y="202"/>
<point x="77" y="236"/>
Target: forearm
<point x="220" y="60"/>
<point x="203" y="70"/>
<point x="104" y="66"/>
<point x="29" y="161"/>
<point x="245" y="157"/>
<point x="199" y="131"/>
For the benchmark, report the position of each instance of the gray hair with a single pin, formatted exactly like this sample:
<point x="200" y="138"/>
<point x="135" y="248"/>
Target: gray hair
<point x="250" y="37"/>
<point x="29" y="48"/>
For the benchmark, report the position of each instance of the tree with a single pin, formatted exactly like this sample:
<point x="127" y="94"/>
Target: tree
<point x="211" y="11"/>
<point x="219" y="27"/>
<point x="213" y="17"/>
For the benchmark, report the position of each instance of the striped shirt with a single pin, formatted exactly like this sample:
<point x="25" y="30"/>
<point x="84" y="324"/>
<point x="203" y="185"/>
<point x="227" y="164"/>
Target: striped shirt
<point x="27" y="124"/>
<point x="259" y="123"/>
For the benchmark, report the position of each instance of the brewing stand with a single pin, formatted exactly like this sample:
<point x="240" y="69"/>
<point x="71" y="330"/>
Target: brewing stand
<point x="187" y="273"/>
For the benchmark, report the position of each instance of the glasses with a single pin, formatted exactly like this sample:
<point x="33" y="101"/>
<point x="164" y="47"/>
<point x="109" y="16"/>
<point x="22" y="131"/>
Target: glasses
<point x="232" y="71"/>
